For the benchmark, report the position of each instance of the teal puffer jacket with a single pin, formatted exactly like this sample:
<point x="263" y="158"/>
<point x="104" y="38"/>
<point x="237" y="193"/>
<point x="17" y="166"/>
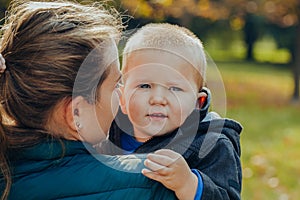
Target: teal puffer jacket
<point x="48" y="171"/>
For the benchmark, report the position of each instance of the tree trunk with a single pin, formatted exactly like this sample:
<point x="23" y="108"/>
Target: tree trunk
<point x="296" y="65"/>
<point x="249" y="55"/>
<point x="250" y="35"/>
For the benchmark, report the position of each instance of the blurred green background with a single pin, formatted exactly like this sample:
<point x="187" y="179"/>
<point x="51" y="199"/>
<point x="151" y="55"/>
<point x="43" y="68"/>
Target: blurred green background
<point x="256" y="47"/>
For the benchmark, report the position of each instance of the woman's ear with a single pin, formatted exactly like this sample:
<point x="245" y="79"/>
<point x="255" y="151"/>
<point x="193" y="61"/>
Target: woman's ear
<point x="202" y="96"/>
<point x="122" y="101"/>
<point x="72" y="112"/>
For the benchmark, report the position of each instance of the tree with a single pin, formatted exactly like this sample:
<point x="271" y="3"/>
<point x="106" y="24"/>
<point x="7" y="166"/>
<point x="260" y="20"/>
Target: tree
<point x="251" y="34"/>
<point x="285" y="17"/>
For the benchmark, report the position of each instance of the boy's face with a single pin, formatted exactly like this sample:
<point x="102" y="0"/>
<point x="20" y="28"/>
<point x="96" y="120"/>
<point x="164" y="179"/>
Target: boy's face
<point x="160" y="91"/>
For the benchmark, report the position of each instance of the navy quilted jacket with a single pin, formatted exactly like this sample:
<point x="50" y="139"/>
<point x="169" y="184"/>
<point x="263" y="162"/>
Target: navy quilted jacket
<point x="46" y="171"/>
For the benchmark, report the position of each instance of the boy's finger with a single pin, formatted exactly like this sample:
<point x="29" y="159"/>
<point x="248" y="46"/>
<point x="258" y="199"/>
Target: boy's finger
<point x="160" y="159"/>
<point x="151" y="175"/>
<point x="145" y="171"/>
<point x="168" y="152"/>
<point x="154" y="167"/>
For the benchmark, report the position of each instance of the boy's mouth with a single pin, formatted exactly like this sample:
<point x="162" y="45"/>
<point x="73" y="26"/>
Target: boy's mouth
<point x="157" y="116"/>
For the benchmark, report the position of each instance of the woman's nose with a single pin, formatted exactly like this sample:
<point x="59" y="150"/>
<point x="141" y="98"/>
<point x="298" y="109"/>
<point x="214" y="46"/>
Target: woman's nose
<point x="158" y="96"/>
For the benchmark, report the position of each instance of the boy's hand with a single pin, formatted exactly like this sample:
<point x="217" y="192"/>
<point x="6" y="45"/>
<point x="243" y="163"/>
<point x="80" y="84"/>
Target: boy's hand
<point x="170" y="168"/>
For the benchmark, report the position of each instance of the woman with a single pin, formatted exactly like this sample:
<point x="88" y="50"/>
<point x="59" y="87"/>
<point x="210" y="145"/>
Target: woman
<point x="59" y="73"/>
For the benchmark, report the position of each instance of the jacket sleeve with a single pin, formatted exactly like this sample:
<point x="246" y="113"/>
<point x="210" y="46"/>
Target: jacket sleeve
<point x="221" y="171"/>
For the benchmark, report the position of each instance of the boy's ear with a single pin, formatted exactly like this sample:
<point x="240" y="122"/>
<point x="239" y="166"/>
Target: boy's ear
<point x="122" y="101"/>
<point x="202" y="96"/>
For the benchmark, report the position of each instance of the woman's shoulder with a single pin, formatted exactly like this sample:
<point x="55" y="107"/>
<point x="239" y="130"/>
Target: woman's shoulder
<point x="80" y="172"/>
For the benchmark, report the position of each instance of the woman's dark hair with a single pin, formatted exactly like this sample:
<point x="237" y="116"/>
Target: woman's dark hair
<point x="44" y="45"/>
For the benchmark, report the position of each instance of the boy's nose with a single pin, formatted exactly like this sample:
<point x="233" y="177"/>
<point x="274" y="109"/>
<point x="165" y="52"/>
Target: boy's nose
<point x="158" y="96"/>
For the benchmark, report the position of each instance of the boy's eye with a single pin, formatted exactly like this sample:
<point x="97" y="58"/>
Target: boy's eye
<point x="175" y="89"/>
<point x="144" y="86"/>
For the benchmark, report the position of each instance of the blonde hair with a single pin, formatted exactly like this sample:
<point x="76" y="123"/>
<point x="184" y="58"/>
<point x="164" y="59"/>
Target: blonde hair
<point x="44" y="45"/>
<point x="165" y="37"/>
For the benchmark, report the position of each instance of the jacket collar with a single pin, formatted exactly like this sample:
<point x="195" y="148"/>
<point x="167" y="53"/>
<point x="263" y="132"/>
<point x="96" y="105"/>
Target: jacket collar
<point x="50" y="149"/>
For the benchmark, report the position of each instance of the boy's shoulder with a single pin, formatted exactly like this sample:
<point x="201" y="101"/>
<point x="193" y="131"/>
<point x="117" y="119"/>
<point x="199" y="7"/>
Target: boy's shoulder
<point x="216" y="137"/>
<point x="213" y="129"/>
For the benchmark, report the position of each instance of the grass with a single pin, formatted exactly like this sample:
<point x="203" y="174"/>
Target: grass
<point x="258" y="96"/>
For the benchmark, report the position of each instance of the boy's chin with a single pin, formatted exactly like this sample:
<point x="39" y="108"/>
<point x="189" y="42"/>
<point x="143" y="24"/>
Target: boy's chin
<point x="159" y="132"/>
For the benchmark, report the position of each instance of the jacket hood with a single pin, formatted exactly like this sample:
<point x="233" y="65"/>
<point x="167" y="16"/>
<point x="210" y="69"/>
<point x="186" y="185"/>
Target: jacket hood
<point x="228" y="127"/>
<point x="212" y="124"/>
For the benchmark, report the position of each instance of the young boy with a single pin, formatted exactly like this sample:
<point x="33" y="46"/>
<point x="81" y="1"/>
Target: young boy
<point x="163" y="97"/>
